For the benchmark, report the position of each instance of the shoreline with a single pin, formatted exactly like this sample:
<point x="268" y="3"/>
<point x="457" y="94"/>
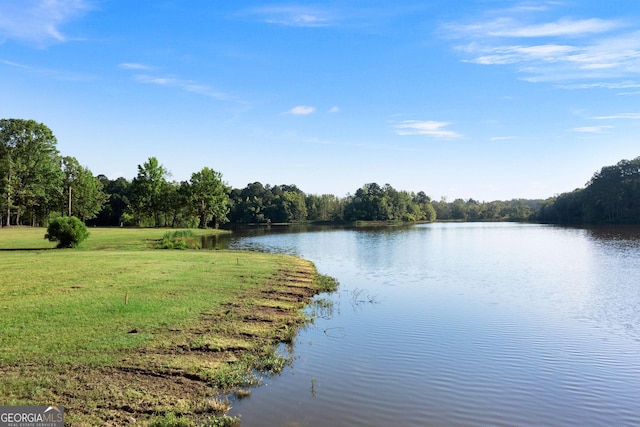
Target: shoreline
<point x="163" y="355"/>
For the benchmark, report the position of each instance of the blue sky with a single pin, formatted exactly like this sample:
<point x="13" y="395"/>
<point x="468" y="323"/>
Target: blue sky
<point x="483" y="99"/>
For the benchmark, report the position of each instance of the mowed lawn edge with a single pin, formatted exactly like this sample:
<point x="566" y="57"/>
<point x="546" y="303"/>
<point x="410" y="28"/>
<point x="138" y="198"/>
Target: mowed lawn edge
<point x="119" y="332"/>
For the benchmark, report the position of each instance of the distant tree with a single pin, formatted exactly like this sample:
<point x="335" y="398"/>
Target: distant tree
<point x="374" y="203"/>
<point x="248" y="205"/>
<point x="118" y="193"/>
<point x="442" y="208"/>
<point x="425" y="207"/>
<point x="30" y="173"/>
<point x="285" y="204"/>
<point x="566" y="208"/>
<point x="178" y="213"/>
<point x="369" y="203"/>
<point x="147" y="191"/>
<point x="208" y="197"/>
<point x="325" y="207"/>
<point x="519" y="210"/>
<point x="294" y="206"/>
<point x="459" y="210"/>
<point x="613" y="194"/>
<point x="84" y="195"/>
<point x="475" y="211"/>
<point x="71" y="169"/>
<point x="491" y="211"/>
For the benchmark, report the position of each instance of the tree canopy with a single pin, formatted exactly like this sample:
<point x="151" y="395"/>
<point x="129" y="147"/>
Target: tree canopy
<point x="37" y="184"/>
<point x="30" y="172"/>
<point x="208" y="197"/>
<point x="148" y="188"/>
<point x="612" y="196"/>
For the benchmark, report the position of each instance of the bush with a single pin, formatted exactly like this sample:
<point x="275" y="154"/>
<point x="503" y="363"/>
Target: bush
<point x="181" y="239"/>
<point x="68" y="231"/>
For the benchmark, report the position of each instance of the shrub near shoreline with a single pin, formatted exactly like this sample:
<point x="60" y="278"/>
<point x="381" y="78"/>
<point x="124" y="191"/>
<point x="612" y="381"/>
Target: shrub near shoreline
<point x="195" y="323"/>
<point x="180" y="239"/>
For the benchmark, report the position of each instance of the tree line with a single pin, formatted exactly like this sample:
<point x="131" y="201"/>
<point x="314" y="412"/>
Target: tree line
<point x="38" y="184"/>
<point x="259" y="203"/>
<point x="611" y="196"/>
<point x="35" y="180"/>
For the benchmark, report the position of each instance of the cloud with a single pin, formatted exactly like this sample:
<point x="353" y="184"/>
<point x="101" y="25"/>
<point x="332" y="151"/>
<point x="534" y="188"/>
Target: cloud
<point x="54" y="73"/>
<point x="292" y="16"/>
<point x="302" y="110"/>
<point x="133" y="66"/>
<point x="16" y="65"/>
<point x="503" y="138"/>
<point x="565" y="50"/>
<point x="512" y="28"/>
<point x="625" y="116"/>
<point x="334" y="109"/>
<point x="429" y="128"/>
<point x="38" y="21"/>
<point x="186" y="85"/>
<point x="518" y="54"/>
<point x="605" y="85"/>
<point x="591" y="129"/>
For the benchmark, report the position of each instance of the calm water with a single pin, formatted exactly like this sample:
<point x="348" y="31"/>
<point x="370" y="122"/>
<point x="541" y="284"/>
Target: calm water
<point x="462" y="324"/>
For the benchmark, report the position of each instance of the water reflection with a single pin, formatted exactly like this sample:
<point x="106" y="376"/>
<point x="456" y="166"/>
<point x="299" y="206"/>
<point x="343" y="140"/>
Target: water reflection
<point x="215" y="241"/>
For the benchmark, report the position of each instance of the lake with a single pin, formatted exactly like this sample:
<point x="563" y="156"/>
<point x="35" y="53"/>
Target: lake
<point x="461" y="324"/>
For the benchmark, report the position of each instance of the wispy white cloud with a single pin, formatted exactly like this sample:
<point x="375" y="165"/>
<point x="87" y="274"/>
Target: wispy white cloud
<point x="513" y="28"/>
<point x="564" y="51"/>
<point x="15" y="64"/>
<point x="591" y="129"/>
<point x="38" y="21"/>
<point x="133" y="66"/>
<point x="293" y="16"/>
<point x="428" y="128"/>
<point x="604" y="85"/>
<point x="500" y="55"/>
<point x="624" y="116"/>
<point x="302" y="110"/>
<point x="503" y="138"/>
<point x="334" y="109"/>
<point x="186" y="85"/>
<point x="56" y="74"/>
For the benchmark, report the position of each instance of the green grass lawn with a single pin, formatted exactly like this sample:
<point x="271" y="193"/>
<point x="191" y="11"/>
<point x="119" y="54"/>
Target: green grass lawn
<point x="110" y="329"/>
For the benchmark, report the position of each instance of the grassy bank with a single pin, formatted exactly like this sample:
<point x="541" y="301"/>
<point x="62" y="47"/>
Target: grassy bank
<point x="119" y="332"/>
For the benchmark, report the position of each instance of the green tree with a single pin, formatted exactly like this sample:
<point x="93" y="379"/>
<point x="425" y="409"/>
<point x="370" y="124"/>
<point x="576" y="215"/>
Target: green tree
<point x="30" y="173"/>
<point x="84" y="195"/>
<point x="147" y="191"/>
<point x="118" y="193"/>
<point x="368" y="204"/>
<point x="325" y="207"/>
<point x="442" y="208"/>
<point x="71" y="168"/>
<point x="459" y="210"/>
<point x="613" y="194"/>
<point x="248" y="204"/>
<point x="209" y="197"/>
<point x="294" y="206"/>
<point x="423" y="202"/>
<point x="177" y="212"/>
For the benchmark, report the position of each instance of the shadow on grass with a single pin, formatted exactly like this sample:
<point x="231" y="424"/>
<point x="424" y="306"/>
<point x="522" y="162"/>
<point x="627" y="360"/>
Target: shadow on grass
<point x="25" y="249"/>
